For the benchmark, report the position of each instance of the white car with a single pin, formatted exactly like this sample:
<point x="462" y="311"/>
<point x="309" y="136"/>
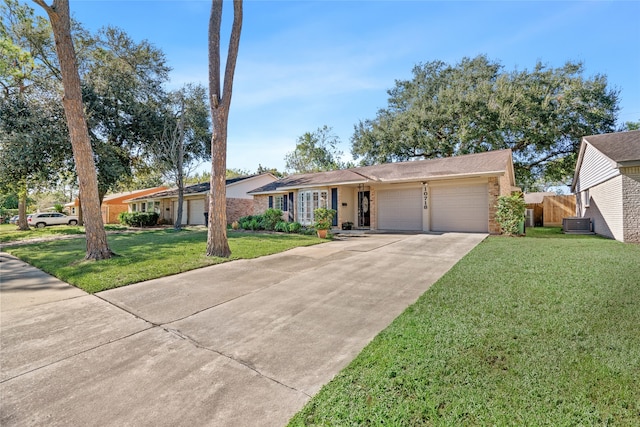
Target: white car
<point x="43" y="219"/>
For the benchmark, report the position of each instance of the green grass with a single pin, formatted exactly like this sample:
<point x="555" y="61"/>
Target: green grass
<point x="537" y="331"/>
<point x="146" y="255"/>
<point x="10" y="233"/>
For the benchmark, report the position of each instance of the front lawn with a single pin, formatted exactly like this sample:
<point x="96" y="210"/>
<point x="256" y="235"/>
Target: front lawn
<point x="10" y="232"/>
<point x="538" y="330"/>
<point x="146" y="255"/>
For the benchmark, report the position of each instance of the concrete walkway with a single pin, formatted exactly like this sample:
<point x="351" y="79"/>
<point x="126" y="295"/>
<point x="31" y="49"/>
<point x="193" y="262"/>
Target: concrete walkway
<point x="245" y="343"/>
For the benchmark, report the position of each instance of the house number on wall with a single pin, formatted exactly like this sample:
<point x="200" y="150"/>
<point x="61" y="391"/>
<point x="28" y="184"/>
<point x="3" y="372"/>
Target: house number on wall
<point x="425" y="196"/>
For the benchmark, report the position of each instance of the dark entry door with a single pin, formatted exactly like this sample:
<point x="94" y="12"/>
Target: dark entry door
<point x="290" y="207"/>
<point x="334" y="205"/>
<point x="364" y="213"/>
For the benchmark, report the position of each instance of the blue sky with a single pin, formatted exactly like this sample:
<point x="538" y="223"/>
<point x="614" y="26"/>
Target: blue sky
<point x="305" y="64"/>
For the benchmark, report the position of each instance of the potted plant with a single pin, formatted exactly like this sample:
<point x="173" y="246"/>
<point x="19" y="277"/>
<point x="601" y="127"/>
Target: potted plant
<point x="347" y="225"/>
<point x="323" y="217"/>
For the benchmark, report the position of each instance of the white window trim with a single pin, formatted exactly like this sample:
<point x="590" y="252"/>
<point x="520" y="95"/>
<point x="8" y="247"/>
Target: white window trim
<point x="585" y="198"/>
<point x="308" y="201"/>
<point x="278" y="202"/>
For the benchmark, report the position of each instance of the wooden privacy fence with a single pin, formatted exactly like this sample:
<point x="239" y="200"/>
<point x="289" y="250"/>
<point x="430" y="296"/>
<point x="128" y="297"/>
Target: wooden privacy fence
<point x="557" y="207"/>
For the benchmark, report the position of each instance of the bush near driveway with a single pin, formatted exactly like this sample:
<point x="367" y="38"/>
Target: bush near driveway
<point x="522" y="331"/>
<point x="147" y="255"/>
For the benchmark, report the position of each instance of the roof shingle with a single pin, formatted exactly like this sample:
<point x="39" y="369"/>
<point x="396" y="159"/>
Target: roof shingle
<point x="481" y="163"/>
<point x="202" y="187"/>
<point x="619" y="147"/>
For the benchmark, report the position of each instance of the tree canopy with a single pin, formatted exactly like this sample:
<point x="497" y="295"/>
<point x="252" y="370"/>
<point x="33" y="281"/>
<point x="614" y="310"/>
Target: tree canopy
<point x="122" y="88"/>
<point x="475" y="106"/>
<point x="315" y="152"/>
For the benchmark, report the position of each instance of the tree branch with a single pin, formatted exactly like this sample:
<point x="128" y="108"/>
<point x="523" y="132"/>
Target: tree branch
<point x="215" y="22"/>
<point x="234" y="44"/>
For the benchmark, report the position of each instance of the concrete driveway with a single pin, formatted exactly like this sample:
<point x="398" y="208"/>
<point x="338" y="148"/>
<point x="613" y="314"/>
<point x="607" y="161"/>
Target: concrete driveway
<point x="245" y="343"/>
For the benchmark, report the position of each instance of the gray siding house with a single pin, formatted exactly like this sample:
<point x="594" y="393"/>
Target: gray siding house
<point x="607" y="184"/>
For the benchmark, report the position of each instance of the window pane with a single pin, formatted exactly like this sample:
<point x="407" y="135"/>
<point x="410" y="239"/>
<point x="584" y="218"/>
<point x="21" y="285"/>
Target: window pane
<point x="279" y="202"/>
<point x="323" y="199"/>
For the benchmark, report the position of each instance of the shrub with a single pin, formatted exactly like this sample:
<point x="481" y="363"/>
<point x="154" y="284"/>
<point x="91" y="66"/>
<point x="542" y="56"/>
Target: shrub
<point x="270" y="218"/>
<point x="294" y="227"/>
<point x="138" y="219"/>
<point x="244" y="221"/>
<point x="255" y="224"/>
<point x="308" y="231"/>
<point x="282" y="227"/>
<point x="510" y="213"/>
<point x="235" y="225"/>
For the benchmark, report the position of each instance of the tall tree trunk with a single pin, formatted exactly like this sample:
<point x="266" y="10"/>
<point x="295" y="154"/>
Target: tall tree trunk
<point x="23" y="225"/>
<point x="80" y="216"/>
<point x="179" y="168"/>
<point x="97" y="246"/>
<point x="217" y="244"/>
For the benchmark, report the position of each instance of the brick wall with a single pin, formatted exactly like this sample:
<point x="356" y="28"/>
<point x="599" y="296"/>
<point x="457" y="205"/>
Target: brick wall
<point x="260" y="204"/>
<point x="237" y="208"/>
<point x="631" y="203"/>
<point x="494" y="190"/>
<point x="505" y="184"/>
<point x="373" y="208"/>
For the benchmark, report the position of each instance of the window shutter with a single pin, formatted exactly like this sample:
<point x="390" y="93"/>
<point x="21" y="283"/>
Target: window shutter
<point x="270" y="202"/>
<point x="284" y="203"/>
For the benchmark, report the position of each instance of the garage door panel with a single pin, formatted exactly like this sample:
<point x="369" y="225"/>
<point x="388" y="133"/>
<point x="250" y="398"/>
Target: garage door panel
<point x="196" y="212"/>
<point x="460" y="208"/>
<point x="400" y="209"/>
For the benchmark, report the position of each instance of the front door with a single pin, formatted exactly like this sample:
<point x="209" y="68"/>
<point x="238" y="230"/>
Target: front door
<point x="334" y="205"/>
<point x="364" y="213"/>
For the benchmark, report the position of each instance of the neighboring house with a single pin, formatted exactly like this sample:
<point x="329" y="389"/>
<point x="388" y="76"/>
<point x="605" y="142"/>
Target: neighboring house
<point x="165" y="203"/>
<point x="546" y="209"/>
<point x="445" y="194"/>
<point x="607" y="184"/>
<point x="113" y="204"/>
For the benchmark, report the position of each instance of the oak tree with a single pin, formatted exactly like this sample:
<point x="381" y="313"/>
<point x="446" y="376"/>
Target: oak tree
<point x="475" y="106"/>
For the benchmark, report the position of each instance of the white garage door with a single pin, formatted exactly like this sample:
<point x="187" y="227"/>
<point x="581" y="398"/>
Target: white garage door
<point x="196" y="212"/>
<point x="184" y="212"/>
<point x="460" y="208"/>
<point x="400" y="209"/>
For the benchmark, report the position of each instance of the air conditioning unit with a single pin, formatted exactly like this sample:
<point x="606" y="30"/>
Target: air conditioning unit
<point x="577" y="225"/>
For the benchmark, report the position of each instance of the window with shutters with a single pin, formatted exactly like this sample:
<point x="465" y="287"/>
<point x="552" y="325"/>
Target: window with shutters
<point x="278" y="203"/>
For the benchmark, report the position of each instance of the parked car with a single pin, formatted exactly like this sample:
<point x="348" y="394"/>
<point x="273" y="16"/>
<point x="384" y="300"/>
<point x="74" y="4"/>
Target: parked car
<point x="43" y="219"/>
<point x="14" y="219"/>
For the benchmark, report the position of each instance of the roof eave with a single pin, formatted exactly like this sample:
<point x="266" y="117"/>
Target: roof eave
<point x="583" y="145"/>
<point x="628" y="163"/>
<point x="288" y="188"/>
<point x="384" y="181"/>
<point x="465" y="175"/>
